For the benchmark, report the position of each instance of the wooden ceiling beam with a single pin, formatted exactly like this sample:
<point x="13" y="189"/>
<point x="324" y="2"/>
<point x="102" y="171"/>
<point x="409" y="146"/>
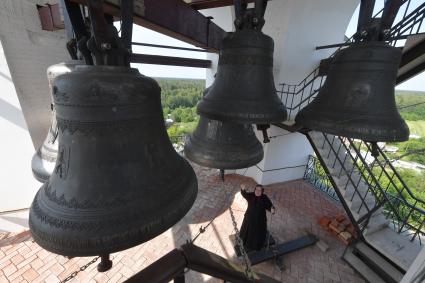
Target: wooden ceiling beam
<point x="174" y="18"/>
<point x="208" y="4"/>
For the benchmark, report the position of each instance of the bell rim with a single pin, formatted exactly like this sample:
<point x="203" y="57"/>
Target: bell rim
<point x="244" y="113"/>
<point x="209" y="159"/>
<point x="327" y="124"/>
<point x="40" y="176"/>
<point x="131" y="238"/>
<point x="40" y="172"/>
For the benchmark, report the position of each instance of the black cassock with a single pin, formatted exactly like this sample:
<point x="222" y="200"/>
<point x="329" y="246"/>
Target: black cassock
<point x="254" y="226"/>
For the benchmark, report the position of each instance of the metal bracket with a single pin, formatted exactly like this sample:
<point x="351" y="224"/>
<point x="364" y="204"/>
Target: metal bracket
<point x="105" y="44"/>
<point x="374" y="29"/>
<point x="252" y="18"/>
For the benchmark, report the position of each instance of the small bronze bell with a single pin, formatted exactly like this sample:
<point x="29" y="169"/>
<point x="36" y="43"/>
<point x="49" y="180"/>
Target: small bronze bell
<point x="117" y="181"/>
<point x="223" y="145"/>
<point x="244" y="89"/>
<point x="43" y="161"/>
<point x="357" y="99"/>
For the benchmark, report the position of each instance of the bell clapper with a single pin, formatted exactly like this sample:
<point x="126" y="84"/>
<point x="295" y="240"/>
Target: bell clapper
<point x="105" y="263"/>
<point x="375" y="149"/>
<point x="222" y="174"/>
<point x="263" y="128"/>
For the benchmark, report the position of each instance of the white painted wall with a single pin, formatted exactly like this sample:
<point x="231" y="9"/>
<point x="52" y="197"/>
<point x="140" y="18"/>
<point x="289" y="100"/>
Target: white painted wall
<point x="26" y="53"/>
<point x="29" y="52"/>
<point x="17" y="186"/>
<point x="297" y="27"/>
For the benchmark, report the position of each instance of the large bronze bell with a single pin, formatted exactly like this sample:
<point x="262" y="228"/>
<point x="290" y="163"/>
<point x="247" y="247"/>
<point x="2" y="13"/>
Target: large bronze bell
<point x="117" y="181"/>
<point x="223" y="145"/>
<point x="244" y="89"/>
<point x="357" y="99"/>
<point x="43" y="161"/>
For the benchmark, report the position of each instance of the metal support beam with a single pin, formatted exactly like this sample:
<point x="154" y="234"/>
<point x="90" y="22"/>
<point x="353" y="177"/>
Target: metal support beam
<point x="365" y="14"/>
<point x="168" y="47"/>
<point x="168" y="60"/>
<point x="174" y="18"/>
<point x="410" y="73"/>
<point x="413" y="59"/>
<point x="390" y="12"/>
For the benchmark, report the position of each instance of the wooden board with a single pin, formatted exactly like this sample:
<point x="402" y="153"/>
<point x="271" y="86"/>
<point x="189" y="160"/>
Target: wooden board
<point x="257" y="257"/>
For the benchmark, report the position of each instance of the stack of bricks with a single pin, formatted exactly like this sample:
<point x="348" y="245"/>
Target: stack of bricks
<point x="339" y="226"/>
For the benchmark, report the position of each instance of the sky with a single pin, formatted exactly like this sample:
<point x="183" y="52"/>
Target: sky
<point x="417" y="83"/>
<point x="144" y="35"/>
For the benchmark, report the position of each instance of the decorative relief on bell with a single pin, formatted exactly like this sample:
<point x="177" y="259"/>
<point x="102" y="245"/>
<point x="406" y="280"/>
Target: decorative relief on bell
<point x="62" y="163"/>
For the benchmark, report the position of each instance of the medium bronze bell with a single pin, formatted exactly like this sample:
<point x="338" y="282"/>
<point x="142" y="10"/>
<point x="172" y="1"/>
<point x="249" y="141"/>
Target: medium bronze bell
<point x="357" y="99"/>
<point x="223" y="145"/>
<point x="43" y="161"/>
<point x="244" y="89"/>
<point x="117" y="181"/>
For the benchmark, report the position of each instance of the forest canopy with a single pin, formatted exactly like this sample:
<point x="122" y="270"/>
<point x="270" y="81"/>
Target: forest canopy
<point x="179" y="98"/>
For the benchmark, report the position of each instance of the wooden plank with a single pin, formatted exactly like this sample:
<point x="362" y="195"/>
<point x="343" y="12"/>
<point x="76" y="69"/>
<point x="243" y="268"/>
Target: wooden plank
<point x="170" y="61"/>
<point x="279" y="250"/>
<point x="208" y="4"/>
<point x="174" y="18"/>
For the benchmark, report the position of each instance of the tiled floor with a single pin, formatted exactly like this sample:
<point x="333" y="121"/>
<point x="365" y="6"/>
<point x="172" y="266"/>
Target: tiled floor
<point x="298" y="208"/>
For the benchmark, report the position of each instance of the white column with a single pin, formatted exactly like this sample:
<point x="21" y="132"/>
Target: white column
<point x="29" y="51"/>
<point x="25" y="53"/>
<point x="17" y="185"/>
<point x="297" y="27"/>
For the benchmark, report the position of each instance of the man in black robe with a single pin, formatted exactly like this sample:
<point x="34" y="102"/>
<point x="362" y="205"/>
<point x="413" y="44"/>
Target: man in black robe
<point x="254" y="226"/>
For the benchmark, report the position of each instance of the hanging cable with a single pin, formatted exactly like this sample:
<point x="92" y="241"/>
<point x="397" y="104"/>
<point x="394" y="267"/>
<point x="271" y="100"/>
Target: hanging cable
<point x="411" y="105"/>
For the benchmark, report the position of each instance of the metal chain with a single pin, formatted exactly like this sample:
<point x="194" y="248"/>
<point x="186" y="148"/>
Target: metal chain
<point x="202" y="229"/>
<point x="82" y="268"/>
<point x="248" y="269"/>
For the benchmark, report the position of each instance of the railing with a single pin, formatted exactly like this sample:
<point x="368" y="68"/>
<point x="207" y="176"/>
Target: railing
<point x="410" y="208"/>
<point x="295" y="97"/>
<point x="410" y="24"/>
<point x="316" y="176"/>
<point x="376" y="178"/>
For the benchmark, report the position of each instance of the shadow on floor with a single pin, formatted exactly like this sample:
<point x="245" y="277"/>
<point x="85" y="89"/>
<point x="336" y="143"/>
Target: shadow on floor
<point x="16" y="220"/>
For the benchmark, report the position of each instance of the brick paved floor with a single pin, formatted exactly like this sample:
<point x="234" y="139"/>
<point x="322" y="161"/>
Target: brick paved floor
<point x="298" y="208"/>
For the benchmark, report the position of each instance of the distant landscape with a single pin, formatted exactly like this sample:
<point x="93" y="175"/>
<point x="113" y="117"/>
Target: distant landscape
<point x="180" y="96"/>
<point x="412" y="108"/>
